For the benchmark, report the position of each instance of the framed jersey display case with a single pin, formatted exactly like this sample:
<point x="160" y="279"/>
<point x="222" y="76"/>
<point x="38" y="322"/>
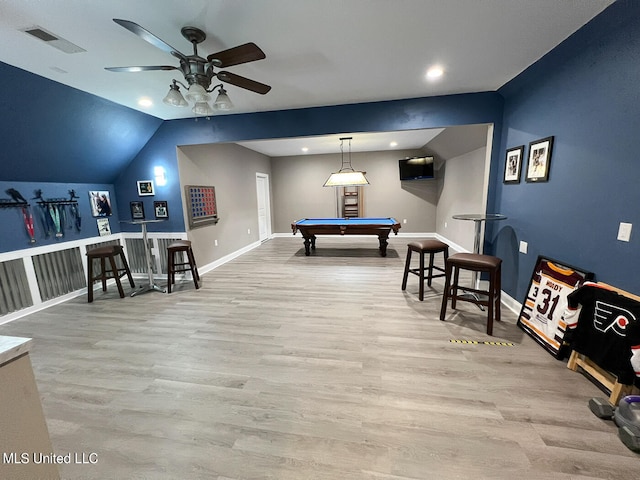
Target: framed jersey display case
<point x="541" y="314"/>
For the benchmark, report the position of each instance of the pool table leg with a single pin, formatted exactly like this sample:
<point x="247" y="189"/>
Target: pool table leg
<point x="309" y="243"/>
<point x="382" y="238"/>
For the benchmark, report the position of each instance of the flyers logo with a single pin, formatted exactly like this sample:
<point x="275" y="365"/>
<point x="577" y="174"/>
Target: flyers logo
<point x="609" y="317"/>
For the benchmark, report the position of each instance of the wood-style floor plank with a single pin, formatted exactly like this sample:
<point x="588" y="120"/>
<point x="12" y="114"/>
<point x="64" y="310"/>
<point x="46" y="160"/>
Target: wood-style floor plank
<point x="290" y="367"/>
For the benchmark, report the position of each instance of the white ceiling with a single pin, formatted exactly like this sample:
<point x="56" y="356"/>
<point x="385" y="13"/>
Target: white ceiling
<point x="361" y="142"/>
<point x="318" y="52"/>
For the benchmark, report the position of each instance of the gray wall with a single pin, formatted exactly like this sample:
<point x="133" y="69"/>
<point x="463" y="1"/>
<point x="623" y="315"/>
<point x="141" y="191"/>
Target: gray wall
<point x="463" y="191"/>
<point x="298" y="190"/>
<point x="231" y="169"/>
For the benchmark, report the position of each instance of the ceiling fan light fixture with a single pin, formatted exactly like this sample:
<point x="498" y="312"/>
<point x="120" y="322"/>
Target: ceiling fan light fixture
<point x="223" y="102"/>
<point x="198" y="71"/>
<point x="197" y="94"/>
<point x="174" y="97"/>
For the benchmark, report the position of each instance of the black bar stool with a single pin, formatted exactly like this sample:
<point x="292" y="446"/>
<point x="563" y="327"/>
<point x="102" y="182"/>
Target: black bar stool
<point x="173" y="249"/>
<point x="107" y="271"/>
<point x="423" y="247"/>
<point x="480" y="264"/>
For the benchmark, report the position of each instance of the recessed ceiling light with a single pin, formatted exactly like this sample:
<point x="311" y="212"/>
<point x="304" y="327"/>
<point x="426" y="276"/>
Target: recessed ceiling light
<point x="393" y="144"/>
<point x="145" y="102"/>
<point x="305" y="149"/>
<point x="434" y="72"/>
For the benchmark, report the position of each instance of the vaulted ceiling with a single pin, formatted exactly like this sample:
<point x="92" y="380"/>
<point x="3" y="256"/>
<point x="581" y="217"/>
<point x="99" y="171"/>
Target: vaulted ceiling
<point x="318" y="53"/>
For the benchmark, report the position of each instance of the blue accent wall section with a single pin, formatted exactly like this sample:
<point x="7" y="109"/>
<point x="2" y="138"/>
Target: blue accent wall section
<point x="429" y="112"/>
<point x="416" y="113"/>
<point x="54" y="133"/>
<point x="585" y="93"/>
<point x="13" y="233"/>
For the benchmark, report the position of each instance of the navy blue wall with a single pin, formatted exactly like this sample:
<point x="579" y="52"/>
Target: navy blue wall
<point x="13" y="234"/>
<point x="54" y="133"/>
<point x="57" y="138"/>
<point x="365" y="117"/>
<point x="585" y="93"/>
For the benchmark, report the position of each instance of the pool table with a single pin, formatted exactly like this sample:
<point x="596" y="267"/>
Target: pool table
<point x="310" y="227"/>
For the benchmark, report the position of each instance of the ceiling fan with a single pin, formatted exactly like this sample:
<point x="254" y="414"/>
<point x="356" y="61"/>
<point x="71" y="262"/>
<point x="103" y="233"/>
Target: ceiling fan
<point x="198" y="71"/>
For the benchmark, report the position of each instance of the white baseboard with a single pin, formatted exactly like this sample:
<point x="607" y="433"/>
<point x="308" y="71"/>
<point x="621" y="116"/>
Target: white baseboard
<point x="228" y="258"/>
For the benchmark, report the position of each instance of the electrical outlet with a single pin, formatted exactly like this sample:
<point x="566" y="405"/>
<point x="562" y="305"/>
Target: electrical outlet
<point x="624" y="232"/>
<point x="248" y="231"/>
<point x="404" y="221"/>
<point x="523" y="247"/>
<point x="215" y="243"/>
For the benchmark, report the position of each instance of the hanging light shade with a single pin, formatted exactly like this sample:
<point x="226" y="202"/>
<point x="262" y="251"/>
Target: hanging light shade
<point x="197" y="93"/>
<point x="202" y="108"/>
<point x="346" y="176"/>
<point x="174" y="97"/>
<point x="200" y="97"/>
<point x="223" y="102"/>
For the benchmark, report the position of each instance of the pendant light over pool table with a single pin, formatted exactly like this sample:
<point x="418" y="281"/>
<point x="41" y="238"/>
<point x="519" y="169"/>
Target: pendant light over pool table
<point x="346" y="176"/>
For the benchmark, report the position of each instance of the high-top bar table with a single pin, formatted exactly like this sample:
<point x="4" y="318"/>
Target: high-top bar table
<point x="147" y="252"/>
<point x="477" y="219"/>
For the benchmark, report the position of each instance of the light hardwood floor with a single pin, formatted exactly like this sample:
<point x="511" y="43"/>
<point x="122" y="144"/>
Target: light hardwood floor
<point x="292" y="368"/>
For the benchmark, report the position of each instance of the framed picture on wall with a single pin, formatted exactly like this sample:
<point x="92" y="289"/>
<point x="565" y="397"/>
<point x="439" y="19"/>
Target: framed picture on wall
<point x="145" y="187"/>
<point x="513" y="164"/>
<point x="161" y="210"/>
<point x="541" y="314"/>
<point x="100" y="203"/>
<point x="104" y="228"/>
<point x="137" y="210"/>
<point x="539" y="160"/>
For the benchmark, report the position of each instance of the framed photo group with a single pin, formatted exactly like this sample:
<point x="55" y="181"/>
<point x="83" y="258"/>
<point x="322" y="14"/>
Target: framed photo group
<point x="160" y="209"/>
<point x="537" y="169"/>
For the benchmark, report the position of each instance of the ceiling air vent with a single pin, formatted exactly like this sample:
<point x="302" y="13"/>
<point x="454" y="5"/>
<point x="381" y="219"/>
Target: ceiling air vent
<point x="51" y="39"/>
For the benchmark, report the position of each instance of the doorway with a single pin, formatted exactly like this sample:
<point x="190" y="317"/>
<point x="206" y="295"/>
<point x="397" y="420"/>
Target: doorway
<point x="264" y="206"/>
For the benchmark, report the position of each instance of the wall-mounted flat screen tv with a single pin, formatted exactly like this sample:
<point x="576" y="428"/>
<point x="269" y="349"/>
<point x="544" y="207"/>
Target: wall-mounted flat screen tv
<point x="416" y="168"/>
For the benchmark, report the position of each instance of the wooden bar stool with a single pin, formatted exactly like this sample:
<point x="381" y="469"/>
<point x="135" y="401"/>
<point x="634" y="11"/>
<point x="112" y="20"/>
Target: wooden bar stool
<point x="173" y="249"/>
<point x="107" y="271"/>
<point x="479" y="264"/>
<point x="424" y="247"/>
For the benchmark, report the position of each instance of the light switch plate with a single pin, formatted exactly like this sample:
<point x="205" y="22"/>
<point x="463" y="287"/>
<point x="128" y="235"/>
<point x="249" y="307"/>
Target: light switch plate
<point x="624" y="232"/>
<point x="523" y="247"/>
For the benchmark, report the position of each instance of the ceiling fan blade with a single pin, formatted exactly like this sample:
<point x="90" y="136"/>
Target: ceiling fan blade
<point x="141" y="69"/>
<point x="243" y="82"/>
<point x="149" y="37"/>
<point x="249" y="52"/>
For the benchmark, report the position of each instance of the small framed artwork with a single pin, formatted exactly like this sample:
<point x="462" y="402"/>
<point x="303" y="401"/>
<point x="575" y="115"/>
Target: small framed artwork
<point x="103" y="226"/>
<point x="513" y="164"/>
<point x="539" y="159"/>
<point x="100" y="203"/>
<point x="137" y="210"/>
<point x="161" y="209"/>
<point x="145" y="187"/>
